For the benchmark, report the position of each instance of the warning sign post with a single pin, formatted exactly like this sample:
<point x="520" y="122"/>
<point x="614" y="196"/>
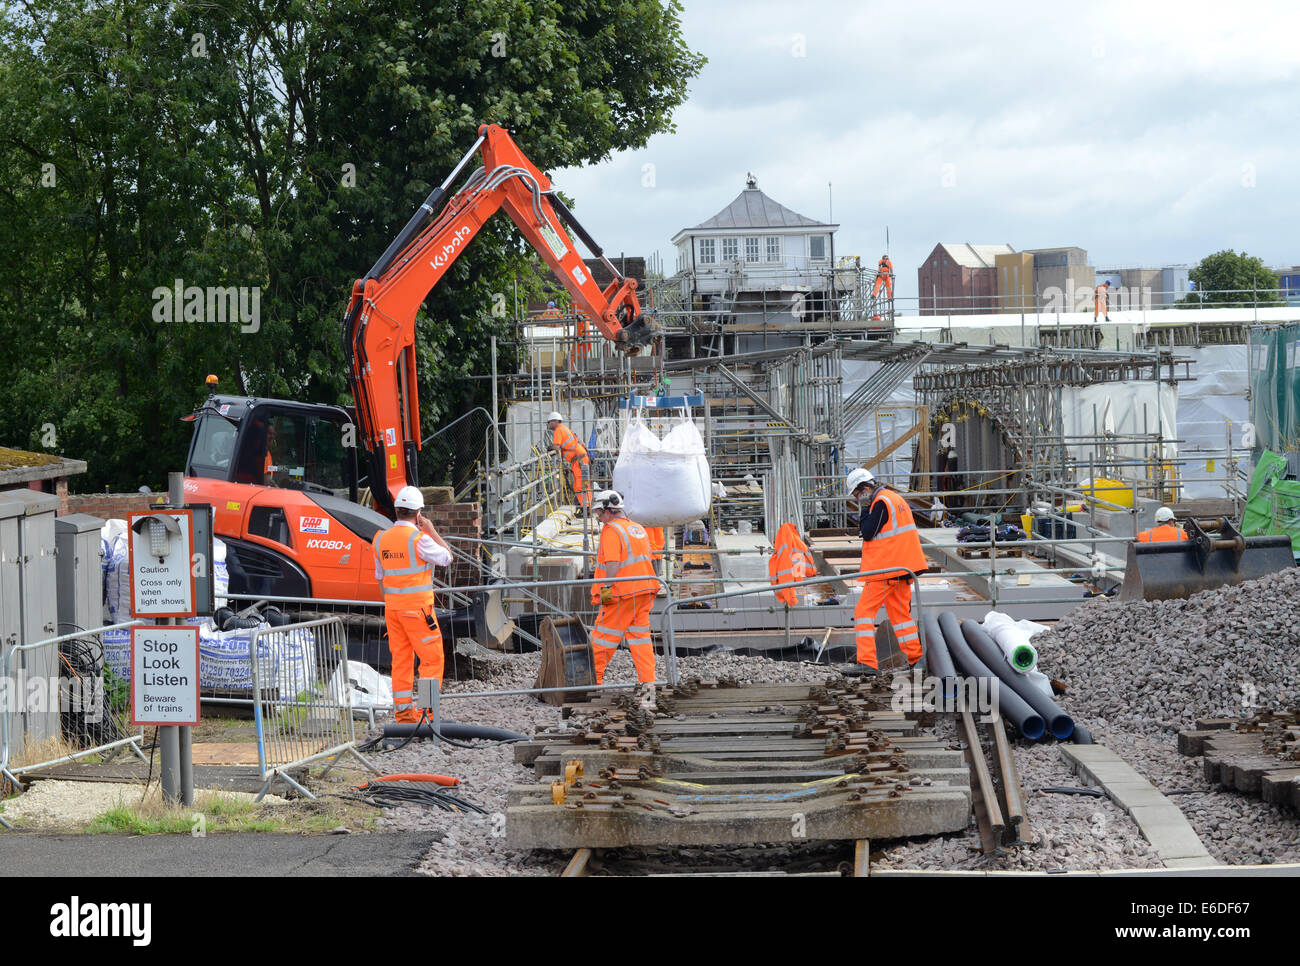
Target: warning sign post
<point x="165" y="675"/>
<point x="162" y="576"/>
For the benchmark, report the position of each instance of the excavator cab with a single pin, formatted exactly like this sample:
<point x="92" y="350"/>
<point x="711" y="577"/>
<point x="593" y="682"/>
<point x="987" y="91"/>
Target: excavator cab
<point x="276" y="443"/>
<point x="282" y="480"/>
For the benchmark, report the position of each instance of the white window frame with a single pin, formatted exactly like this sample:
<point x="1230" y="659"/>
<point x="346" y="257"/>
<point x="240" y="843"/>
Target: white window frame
<point x="752" y="247"/>
<point x="708" y="251"/>
<point x="825" y="249"/>
<point x="730" y="250"/>
<point x="773" y="248"/>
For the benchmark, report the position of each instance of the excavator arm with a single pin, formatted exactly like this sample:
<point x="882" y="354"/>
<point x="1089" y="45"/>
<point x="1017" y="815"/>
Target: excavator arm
<point x="379" y="325"/>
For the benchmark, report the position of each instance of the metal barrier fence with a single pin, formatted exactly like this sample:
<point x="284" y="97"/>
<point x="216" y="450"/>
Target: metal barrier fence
<point x="74" y="706"/>
<point x="302" y="700"/>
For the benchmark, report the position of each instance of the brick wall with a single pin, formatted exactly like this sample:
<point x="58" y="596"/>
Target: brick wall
<point x="109" y="506"/>
<point x="459" y="520"/>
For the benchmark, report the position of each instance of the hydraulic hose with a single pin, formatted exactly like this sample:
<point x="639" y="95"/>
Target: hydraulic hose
<point x="938" y="659"/>
<point x="450" y="729"/>
<point x="1011" y="706"/>
<point x="1058" y="722"/>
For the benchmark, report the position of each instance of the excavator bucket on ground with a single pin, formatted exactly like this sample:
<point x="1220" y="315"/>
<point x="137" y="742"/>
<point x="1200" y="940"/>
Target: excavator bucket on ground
<point x="1204" y="561"/>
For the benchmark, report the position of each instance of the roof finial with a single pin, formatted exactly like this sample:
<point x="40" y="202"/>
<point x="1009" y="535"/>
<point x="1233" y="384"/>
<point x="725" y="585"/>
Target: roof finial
<point x="750" y="180"/>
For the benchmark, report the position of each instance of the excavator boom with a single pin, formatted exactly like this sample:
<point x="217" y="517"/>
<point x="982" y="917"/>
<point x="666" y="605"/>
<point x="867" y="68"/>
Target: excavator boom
<point x="379" y="325"/>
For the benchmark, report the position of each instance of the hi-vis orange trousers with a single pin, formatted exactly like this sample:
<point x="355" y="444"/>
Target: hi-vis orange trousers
<point x="625" y="617"/>
<point x="581" y="494"/>
<point x="409" y="636"/>
<point x="896" y="596"/>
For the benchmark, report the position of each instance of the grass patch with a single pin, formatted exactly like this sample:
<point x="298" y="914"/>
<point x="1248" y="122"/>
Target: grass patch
<point x="216" y="812"/>
<point x="211" y="812"/>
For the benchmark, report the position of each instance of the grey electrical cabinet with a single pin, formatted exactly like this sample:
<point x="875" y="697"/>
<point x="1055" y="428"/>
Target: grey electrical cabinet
<point x="81" y="574"/>
<point x="11" y="515"/>
<point x="34" y="672"/>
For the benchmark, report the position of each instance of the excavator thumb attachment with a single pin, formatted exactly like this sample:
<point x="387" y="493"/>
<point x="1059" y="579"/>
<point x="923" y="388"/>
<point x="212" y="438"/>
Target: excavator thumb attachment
<point x="640" y="332"/>
<point x="1204" y="561"/>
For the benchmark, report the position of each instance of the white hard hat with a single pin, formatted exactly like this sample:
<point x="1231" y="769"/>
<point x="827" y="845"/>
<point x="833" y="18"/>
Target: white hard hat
<point x="409" y="498"/>
<point x="555" y="416"/>
<point x="1164" y="515"/>
<point x="608" y="499"/>
<point x="857" y="478"/>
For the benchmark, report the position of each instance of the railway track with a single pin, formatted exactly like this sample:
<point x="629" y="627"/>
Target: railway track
<point x="787" y="769"/>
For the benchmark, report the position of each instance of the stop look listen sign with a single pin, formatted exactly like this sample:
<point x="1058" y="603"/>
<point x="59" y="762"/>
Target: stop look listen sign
<point x="165" y="675"/>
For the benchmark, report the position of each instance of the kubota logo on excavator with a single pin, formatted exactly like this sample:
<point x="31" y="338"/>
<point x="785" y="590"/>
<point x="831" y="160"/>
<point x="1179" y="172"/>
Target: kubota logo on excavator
<point x="448" y="250"/>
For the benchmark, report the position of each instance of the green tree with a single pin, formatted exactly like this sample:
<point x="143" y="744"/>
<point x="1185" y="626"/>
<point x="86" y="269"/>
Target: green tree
<point x="276" y="145"/>
<point x="1229" y="278"/>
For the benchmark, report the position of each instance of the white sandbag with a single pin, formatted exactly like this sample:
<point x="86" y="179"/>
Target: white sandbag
<point x="294" y="654"/>
<point x="220" y="574"/>
<point x="117" y="652"/>
<point x="366" y="688"/>
<point x="116" y="569"/>
<point x="663" y="482"/>
<point x="223" y="660"/>
<point x="286" y="662"/>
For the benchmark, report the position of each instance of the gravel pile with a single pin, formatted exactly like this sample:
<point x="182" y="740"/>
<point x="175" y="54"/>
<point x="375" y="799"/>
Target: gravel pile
<point x="1140" y="671"/>
<point x="1147" y="667"/>
<point x="1076" y="832"/>
<point x="1236" y="829"/>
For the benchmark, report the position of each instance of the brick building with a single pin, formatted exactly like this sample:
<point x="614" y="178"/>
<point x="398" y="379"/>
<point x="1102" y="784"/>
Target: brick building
<point x="960" y="279"/>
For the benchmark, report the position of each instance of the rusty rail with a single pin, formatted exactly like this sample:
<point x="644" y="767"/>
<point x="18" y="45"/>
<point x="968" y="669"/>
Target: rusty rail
<point x="984" y="796"/>
<point x="1010" y="794"/>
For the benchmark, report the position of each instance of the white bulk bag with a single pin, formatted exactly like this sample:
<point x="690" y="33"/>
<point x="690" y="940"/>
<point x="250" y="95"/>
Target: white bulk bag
<point x="663" y="482"/>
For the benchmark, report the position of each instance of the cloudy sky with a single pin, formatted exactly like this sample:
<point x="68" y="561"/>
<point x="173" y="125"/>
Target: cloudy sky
<point x="1148" y="133"/>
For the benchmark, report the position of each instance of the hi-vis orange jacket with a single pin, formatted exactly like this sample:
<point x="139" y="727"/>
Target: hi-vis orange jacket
<point x="898" y="544"/>
<point x="1165" y="533"/>
<point x="790" y="563"/>
<point x="407" y="580"/>
<point x="567" y="442"/>
<point x="624" y="552"/>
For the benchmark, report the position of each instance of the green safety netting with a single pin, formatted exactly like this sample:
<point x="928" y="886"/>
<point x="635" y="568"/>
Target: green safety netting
<point x="1275" y="387"/>
<point x="1272" y="502"/>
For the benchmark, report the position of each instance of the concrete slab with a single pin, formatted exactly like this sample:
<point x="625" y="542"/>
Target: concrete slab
<point x="1169" y="832"/>
<point x="1131" y="795"/>
<point x="1161" y="822"/>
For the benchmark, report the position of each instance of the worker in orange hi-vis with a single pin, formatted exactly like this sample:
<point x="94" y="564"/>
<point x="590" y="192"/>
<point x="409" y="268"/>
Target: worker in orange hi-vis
<point x="573" y="453"/>
<point x="658" y="539"/>
<point x="1101" y="301"/>
<point x="790" y="563"/>
<point x="889" y="539"/>
<point x="1165" y="530"/>
<point x="550" y="312"/>
<point x="625" y="605"/>
<point x="884" y="278"/>
<point x="405" y="555"/>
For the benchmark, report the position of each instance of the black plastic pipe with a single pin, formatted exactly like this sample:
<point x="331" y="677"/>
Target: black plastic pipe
<point x="1011" y="706"/>
<point x="450" y="729"/>
<point x="1082" y="736"/>
<point x="938" y="660"/>
<point x="1060" y="724"/>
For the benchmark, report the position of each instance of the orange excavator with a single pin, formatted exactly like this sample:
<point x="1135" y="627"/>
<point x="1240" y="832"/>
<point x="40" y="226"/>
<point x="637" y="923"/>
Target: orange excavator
<point x="283" y="477"/>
